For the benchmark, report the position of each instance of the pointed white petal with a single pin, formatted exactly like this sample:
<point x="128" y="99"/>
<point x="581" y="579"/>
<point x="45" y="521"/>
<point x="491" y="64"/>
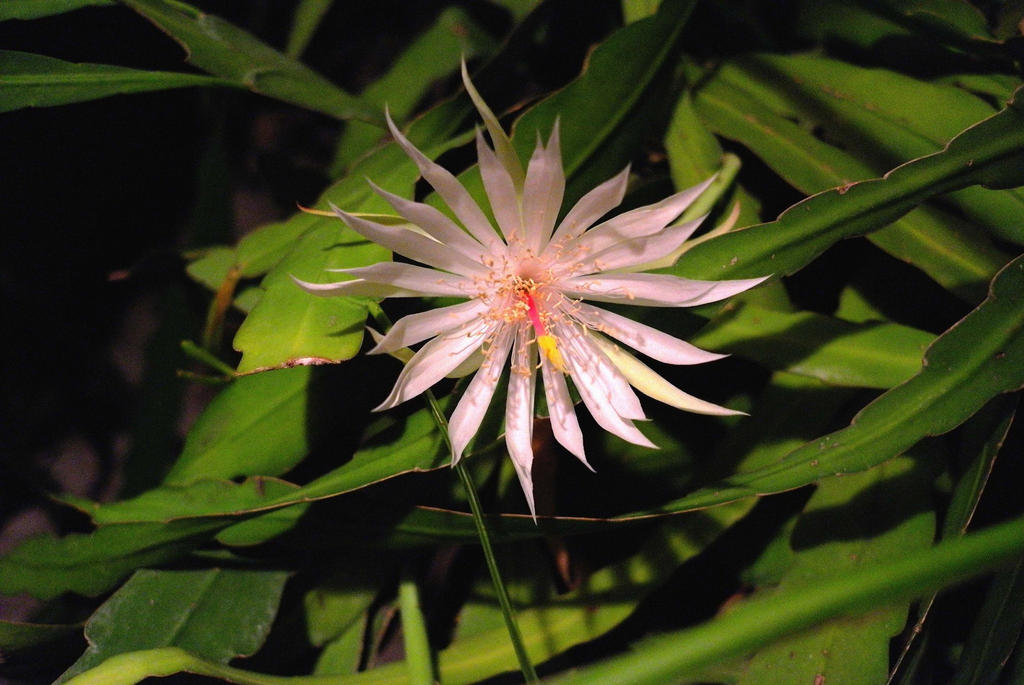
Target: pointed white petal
<point x="519" y="413"/>
<point x="413" y="245"/>
<point x="636" y="223"/>
<point x="589" y="209"/>
<point x="644" y="379"/>
<point x="500" y="190"/>
<point x="451" y="191"/>
<point x="469" y="412"/>
<point x="434" y="361"/>
<point x="435" y="224"/>
<point x="625" y="253"/>
<point x="564" y="424"/>
<point x="415" y="328"/>
<point x="412" y="277"/>
<point x="542" y="193"/>
<point x="608" y="385"/>
<point x="720" y="290"/>
<point x="652" y="290"/>
<point x="590" y="390"/>
<point x="650" y="341"/>
<point x="363" y="288"/>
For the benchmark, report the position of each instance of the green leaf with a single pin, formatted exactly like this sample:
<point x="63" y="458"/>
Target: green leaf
<point x="331" y="328"/>
<point x="430" y="56"/>
<point x="37" y="9"/>
<point x="991" y="152"/>
<point x="996" y="629"/>
<point x="15" y="635"/>
<point x="225" y="50"/>
<point x="46" y="567"/>
<point x="875" y="516"/>
<point x="605" y="112"/>
<point x="308" y="16"/>
<point x="975" y="360"/>
<point x="28" y="80"/>
<point x="257" y="425"/>
<point x="217" y="614"/>
<point x="762" y="620"/>
<point x="870" y="355"/>
<point x="882" y="117"/>
<point x="948" y="250"/>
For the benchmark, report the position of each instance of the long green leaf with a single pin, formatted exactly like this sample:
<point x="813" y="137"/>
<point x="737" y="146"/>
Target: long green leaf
<point x="960" y="259"/>
<point x="28" y="80"/>
<point x="225" y="50"/>
<point x="760" y="621"/>
<point x="37" y="9"/>
<point x="870" y="355"/>
<point x="975" y="360"/>
<point x="990" y="153"/>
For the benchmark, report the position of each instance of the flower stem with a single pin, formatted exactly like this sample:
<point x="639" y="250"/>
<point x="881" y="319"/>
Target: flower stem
<point x="485" y="544"/>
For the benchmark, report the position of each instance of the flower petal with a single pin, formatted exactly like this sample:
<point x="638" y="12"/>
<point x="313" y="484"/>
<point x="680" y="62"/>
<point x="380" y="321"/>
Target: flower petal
<point x="636" y="223"/>
<point x="591" y="207"/>
<point x="650" y="341"/>
<point x="363" y="288"/>
<point x="502" y="145"/>
<point x="519" y="413"/>
<point x="564" y="424"/>
<point x="413" y="245"/>
<point x="415" y="328"/>
<point x="500" y="189"/>
<point x="602" y="412"/>
<point x="608" y="385"/>
<point x="451" y="191"/>
<point x="412" y="277"/>
<point x="469" y="412"/>
<point x="644" y="379"/>
<point x="636" y="250"/>
<point x="652" y="290"/>
<point x="435" y="223"/>
<point x="542" y="192"/>
<point x="434" y="361"/>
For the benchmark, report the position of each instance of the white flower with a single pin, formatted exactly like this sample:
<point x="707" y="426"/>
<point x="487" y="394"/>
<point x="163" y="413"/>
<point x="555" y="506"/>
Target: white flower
<point x="526" y="286"/>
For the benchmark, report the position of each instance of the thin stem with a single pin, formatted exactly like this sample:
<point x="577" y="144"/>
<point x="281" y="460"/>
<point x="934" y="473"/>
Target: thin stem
<point x="485" y="544"/>
<point x="418" y="658"/>
<point x="529" y="673"/>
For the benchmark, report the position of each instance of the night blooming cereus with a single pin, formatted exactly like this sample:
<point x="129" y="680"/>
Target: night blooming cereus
<point x="526" y="284"/>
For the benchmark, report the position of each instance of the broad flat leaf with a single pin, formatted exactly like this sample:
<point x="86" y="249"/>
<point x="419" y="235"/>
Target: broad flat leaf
<point x="217" y="614"/>
<point x="28" y="80"/>
<point x="991" y="153"/>
<point x="975" y="360"/>
<point x="875" y="516"/>
<point x="225" y="50"/>
<point x="950" y="251"/>
<point x="870" y="355"/>
<point x="762" y="620"/>
<point x="15" y="635"/>
<point x="331" y="328"/>
<point x="257" y="426"/>
<point x="37" y="9"/>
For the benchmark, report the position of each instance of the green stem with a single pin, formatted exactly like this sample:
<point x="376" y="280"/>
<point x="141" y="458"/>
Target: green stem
<point x="418" y="658"/>
<point x="485" y="544"/>
<point x="504" y="602"/>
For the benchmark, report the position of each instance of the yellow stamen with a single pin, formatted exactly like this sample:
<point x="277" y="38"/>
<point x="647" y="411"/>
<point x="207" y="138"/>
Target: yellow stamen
<point x="548" y="346"/>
